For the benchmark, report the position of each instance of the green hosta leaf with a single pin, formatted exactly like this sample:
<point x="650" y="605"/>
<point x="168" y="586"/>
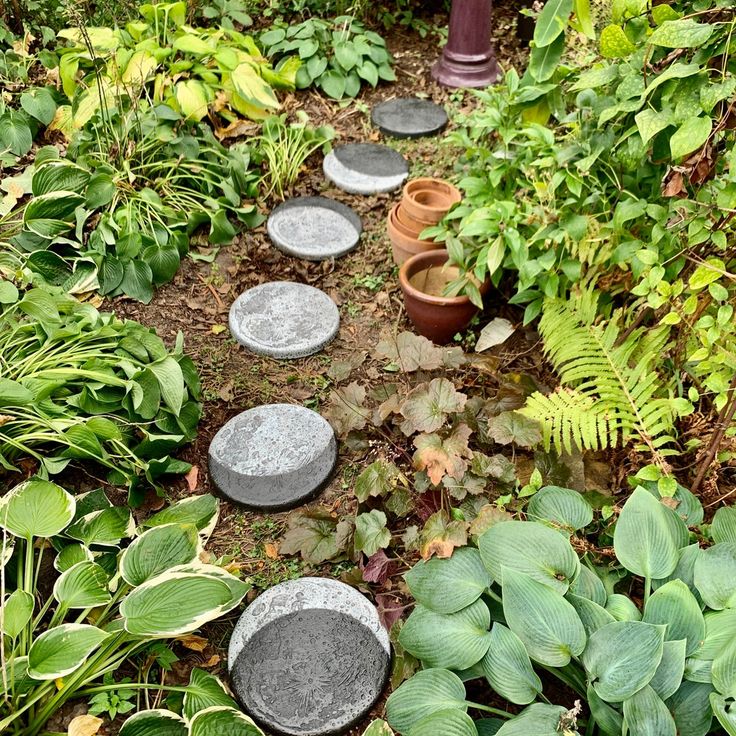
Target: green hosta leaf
<point x="545" y="622"/>
<point x="13" y="393"/>
<point x="681" y="34"/>
<point x="668" y="676"/>
<point x="448" y="585"/>
<point x="221" y="721"/>
<point x="205" y="691"/>
<point x="690" y="708"/>
<point x="189" y="43"/>
<point x="106" y="527"/>
<point x="83" y="585"/>
<point x="622" y="608"/>
<point x="643" y="539"/>
<point x="333" y="84"/>
<point x="154" y="723"/>
<point x="622" y="657"/>
<point x="589" y="585"/>
<point x="609" y="720"/>
<point x="429" y="691"/>
<point x="675" y="606"/>
<point x="164" y="261"/>
<point x="369" y="72"/>
<point x="61" y="650"/>
<point x="615" y="43"/>
<point x="15" y="132"/>
<point x="723" y="671"/>
<point x="346" y="55"/>
<point x="36" y="508"/>
<point x="536" y="720"/>
<point x="646" y="715"/>
<point x="171" y="382"/>
<point x="371" y="533"/>
<point x="715" y="575"/>
<point x="544" y="61"/>
<point x="71" y="555"/>
<point x="723" y="527"/>
<point x="561" y="506"/>
<point x="454" y="641"/>
<point x="15" y="613"/>
<point x="39" y="103"/>
<point x="157" y="550"/>
<point x="690" y="136"/>
<point x="725" y="711"/>
<point x="592" y="615"/>
<point x="531" y="548"/>
<point x="192" y="99"/>
<point x="137" y="281"/>
<point x="451" y="722"/>
<point x="202" y="511"/>
<point x="552" y="21"/>
<point x="508" y="669"/>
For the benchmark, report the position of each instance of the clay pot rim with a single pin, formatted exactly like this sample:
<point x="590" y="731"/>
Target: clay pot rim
<point x="428" y="259"/>
<point x="439" y="186"/>
<point x="396" y="224"/>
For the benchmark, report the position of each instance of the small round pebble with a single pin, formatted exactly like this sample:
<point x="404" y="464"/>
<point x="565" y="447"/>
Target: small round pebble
<point x="314" y="228"/>
<point x="409" y="117"/>
<point x="366" y="168"/>
<point x="273" y="457"/>
<point x="309" y="657"/>
<point x="283" y="319"/>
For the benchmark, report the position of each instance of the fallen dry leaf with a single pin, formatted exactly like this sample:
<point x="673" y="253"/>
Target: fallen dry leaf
<point x="271" y="550"/>
<point x="85" y="725"/>
<point x="193" y="642"/>
<point x="192" y="478"/>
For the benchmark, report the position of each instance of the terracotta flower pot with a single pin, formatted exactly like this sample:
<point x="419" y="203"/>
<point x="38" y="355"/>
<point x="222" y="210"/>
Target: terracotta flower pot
<point x="429" y="200"/>
<point x="437" y="317"/>
<point x="403" y="244"/>
<point x="407" y="222"/>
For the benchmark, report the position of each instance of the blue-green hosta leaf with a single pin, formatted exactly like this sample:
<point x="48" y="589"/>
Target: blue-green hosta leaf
<point x="107" y="527"/>
<point x="723" y="527"/>
<point x="715" y="575"/>
<point x="15" y="612"/>
<point x="489" y="726"/>
<point x="690" y="708"/>
<point x="668" y="677"/>
<point x="448" y="585"/>
<point x="36" y="508"/>
<point x="646" y="715"/>
<point x="157" y="722"/>
<point x="644" y="540"/>
<point x="676" y="607"/>
<point x="62" y="649"/>
<point x="222" y="721"/>
<point x="530" y="548"/>
<point x="622" y="657"/>
<point x="608" y="719"/>
<point x="452" y="641"/>
<point x="508" y="669"/>
<point x="83" y="585"/>
<point x="685" y="570"/>
<point x="725" y="711"/>
<point x="592" y="615"/>
<point x="546" y="623"/>
<point x="204" y="691"/>
<point x="562" y="506"/>
<point x="536" y="720"/>
<point x="157" y="550"/>
<point x="451" y="722"/>
<point x="720" y="630"/>
<point x="589" y="585"/>
<point x="622" y="608"/>
<point x="723" y="670"/>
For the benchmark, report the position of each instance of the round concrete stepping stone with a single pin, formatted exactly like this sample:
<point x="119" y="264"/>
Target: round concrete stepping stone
<point x="273" y="457"/>
<point x="365" y="168"/>
<point x="409" y="117"/>
<point x="283" y="319"/>
<point x="309" y="657"/>
<point x="314" y="228"/>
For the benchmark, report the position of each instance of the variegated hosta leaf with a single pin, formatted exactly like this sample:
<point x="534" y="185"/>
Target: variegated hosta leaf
<point x="62" y="649"/>
<point x="222" y="721"/>
<point x="154" y="723"/>
<point x="202" y="511"/>
<point x="36" y="508"/>
<point x="83" y="585"/>
<point x="204" y="691"/>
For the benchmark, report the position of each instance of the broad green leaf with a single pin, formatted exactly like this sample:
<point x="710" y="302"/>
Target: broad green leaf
<point x="723" y="527"/>
<point x="346" y="55"/>
<point x="447" y="585"/>
<point x="171" y="382"/>
<point x="36" y="508"/>
<point x="429" y="691"/>
<point x="154" y="723"/>
<point x="622" y="657"/>
<point x="489" y="726"/>
<point x="643" y="539"/>
<point x="61" y="650"/>
<point x="204" y="691"/>
<point x="157" y="550"/>
<point x="681" y="34"/>
<point x="561" y="506"/>
<point x="675" y="606"/>
<point x="428" y="405"/>
<point x="57" y="176"/>
<point x="592" y="615"/>
<point x="589" y="585"/>
<point x="137" y="281"/>
<point x="191" y="97"/>
<point x="552" y="21"/>
<point x="15" y="613"/>
<point x="668" y="677"/>
<point x="508" y="669"/>
<point x="13" y="393"/>
<point x="723" y="670"/>
<point x="451" y="641"/>
<point x="546" y="623"/>
<point x="597" y="76"/>
<point x="371" y="533"/>
<point x="691" y="710"/>
<point x="650" y="122"/>
<point x="543" y="62"/>
<point x="646" y="715"/>
<point x="252" y="87"/>
<point x="608" y="719"/>
<point x="450" y="722"/>
<point x="715" y="575"/>
<point x="70" y="555"/>
<point x="333" y="84"/>
<point x="222" y="721"/>
<point x="163" y="260"/>
<point x="536" y="720"/>
<point x="189" y="43"/>
<point x="615" y="44"/>
<point x="83" y="585"/>
<point x="622" y="608"/>
<point x="107" y="527"/>
<point x="690" y="136"/>
<point x="202" y="511"/>
<point x="725" y="711"/>
<point x="530" y="548"/>
<point x="15" y="132"/>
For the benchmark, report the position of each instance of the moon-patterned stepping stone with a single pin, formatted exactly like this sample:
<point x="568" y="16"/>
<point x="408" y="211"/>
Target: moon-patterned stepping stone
<point x="273" y="457"/>
<point x="409" y="117"/>
<point x="283" y="319"/>
<point x="365" y="168"/>
<point x="309" y="657"/>
<point x="314" y="228"/>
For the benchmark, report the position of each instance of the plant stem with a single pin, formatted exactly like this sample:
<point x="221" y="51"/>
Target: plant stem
<point x="489" y="709"/>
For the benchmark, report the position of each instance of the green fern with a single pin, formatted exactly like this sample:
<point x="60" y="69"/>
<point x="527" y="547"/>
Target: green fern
<point x="610" y="393"/>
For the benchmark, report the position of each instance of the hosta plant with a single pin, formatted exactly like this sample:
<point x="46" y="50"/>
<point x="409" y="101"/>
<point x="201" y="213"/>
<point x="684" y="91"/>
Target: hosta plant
<point x="116" y="588"/>
<point x="647" y="646"/>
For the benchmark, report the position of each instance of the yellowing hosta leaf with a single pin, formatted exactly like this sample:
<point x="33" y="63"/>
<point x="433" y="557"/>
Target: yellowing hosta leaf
<point x="61" y="650"/>
<point x="139" y="68"/>
<point x="36" y="508"/>
<point x="192" y="99"/>
<point x="252" y="88"/>
<point x="85" y="725"/>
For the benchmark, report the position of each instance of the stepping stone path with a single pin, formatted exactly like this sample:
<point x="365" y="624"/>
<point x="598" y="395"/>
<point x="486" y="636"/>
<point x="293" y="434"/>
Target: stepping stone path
<point x="314" y="228"/>
<point x="409" y="117"/>
<point x="309" y="657"/>
<point x="365" y="168"/>
<point x="273" y="457"/>
<point x="283" y="319"/>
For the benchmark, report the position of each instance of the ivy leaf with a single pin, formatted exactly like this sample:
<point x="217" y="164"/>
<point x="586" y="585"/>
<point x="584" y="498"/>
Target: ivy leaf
<point x="313" y="535"/>
<point x="371" y="533"/>
<point x="512" y="427"/>
<point x="345" y="411"/>
<point x="441" y="535"/>
<point x="440" y="457"/>
<point x="378" y="479"/>
<point x="428" y="406"/>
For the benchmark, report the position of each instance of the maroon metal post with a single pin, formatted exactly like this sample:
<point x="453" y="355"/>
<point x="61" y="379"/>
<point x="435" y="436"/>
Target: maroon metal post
<point x="468" y="59"/>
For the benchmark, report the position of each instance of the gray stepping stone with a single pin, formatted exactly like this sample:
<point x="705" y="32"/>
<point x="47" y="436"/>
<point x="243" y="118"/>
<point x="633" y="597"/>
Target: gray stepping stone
<point x="314" y="228"/>
<point x="309" y="657"/>
<point x="273" y="457"/>
<point x="365" y="168"/>
<point x="409" y="117"/>
<point x="283" y="319"/>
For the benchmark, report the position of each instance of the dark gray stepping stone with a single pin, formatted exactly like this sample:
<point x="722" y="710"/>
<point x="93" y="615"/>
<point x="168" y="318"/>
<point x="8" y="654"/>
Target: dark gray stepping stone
<point x="409" y="117"/>
<point x="273" y="457"/>
<point x="365" y="168"/>
<point x="309" y="657"/>
<point x="283" y="319"/>
<point x="314" y="228"/>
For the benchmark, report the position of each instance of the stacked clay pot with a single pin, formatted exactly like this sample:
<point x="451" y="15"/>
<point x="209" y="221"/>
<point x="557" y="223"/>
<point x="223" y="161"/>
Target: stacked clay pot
<point x="424" y="203"/>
